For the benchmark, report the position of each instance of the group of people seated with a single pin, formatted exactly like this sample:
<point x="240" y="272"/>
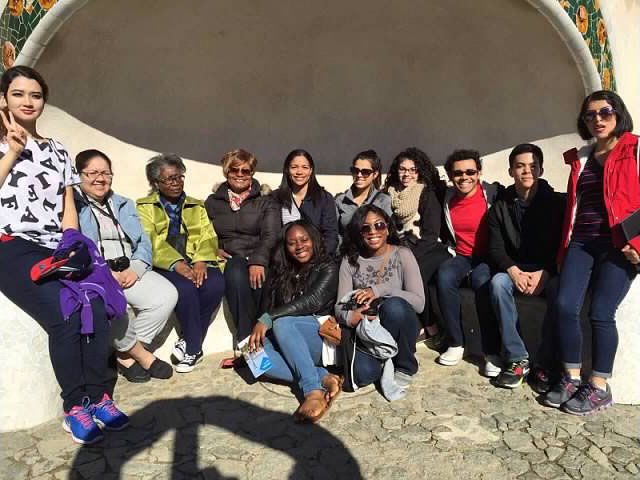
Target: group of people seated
<point x="335" y="290"/>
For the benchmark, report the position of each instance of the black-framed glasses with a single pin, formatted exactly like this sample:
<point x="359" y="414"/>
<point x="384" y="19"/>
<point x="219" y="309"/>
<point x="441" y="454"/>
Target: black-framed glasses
<point x="240" y="171"/>
<point x="604" y="113"/>
<point x="369" y="228"/>
<point x="172" y="179"/>
<point x="365" y="172"/>
<point x="469" y="172"/>
<point x="94" y="174"/>
<point x="411" y="170"/>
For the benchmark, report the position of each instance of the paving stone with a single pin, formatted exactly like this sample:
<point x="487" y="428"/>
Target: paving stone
<point x="597" y="456"/>
<point x="594" y="471"/>
<point x="549" y="470"/>
<point x="553" y="453"/>
<point x="519" y="442"/>
<point x="14" y="470"/>
<point x="632" y="469"/>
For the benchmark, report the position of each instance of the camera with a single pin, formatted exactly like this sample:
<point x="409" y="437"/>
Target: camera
<point x="119" y="264"/>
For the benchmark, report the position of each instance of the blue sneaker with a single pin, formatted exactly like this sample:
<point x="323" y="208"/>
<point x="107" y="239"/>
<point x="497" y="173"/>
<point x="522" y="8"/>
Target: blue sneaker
<point x="589" y="399"/>
<point x="107" y="415"/>
<point x="79" y="423"/>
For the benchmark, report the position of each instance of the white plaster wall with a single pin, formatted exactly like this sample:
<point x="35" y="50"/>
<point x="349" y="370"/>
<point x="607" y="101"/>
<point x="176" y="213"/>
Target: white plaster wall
<point x="622" y="18"/>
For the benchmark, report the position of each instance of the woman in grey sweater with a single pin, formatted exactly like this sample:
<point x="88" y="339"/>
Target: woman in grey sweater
<point x="380" y="272"/>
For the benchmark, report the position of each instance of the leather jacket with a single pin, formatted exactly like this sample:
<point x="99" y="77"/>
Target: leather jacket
<point x="317" y="298"/>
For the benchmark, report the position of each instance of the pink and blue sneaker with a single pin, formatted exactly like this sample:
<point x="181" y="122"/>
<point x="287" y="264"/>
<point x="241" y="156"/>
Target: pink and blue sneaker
<point x="80" y="424"/>
<point x="107" y="415"/>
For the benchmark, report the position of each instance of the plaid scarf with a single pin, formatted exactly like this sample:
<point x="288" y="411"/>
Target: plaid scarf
<point x="174" y="211"/>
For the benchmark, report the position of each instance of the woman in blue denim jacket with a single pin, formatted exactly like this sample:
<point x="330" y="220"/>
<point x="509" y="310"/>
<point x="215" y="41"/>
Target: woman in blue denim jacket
<point x="112" y="222"/>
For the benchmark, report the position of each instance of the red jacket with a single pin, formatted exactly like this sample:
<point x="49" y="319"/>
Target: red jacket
<point x="621" y="189"/>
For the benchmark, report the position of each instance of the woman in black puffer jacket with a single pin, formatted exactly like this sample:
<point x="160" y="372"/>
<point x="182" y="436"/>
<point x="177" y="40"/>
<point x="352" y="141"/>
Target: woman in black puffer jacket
<point x="301" y="290"/>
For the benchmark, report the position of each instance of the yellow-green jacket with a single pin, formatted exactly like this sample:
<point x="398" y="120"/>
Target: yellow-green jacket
<point x="202" y="241"/>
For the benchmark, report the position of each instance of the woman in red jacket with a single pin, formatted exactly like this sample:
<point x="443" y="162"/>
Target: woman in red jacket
<point x="603" y="190"/>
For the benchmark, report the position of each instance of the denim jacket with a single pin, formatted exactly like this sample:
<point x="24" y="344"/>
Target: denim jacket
<point x="125" y="211"/>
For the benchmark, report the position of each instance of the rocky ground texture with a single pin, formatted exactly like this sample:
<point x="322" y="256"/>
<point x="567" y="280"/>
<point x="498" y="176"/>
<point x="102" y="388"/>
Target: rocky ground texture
<point x="212" y="424"/>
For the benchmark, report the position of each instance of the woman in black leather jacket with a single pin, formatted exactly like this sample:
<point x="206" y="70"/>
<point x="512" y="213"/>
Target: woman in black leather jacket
<point x="300" y="291"/>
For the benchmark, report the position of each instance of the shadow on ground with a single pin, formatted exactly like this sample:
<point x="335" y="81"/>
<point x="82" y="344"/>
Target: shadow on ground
<point x="146" y="447"/>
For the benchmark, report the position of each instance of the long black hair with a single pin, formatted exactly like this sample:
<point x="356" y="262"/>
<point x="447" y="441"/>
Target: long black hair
<point x="624" y="122"/>
<point x="427" y="172"/>
<point x="287" y="276"/>
<point x="314" y="190"/>
<point x="353" y="245"/>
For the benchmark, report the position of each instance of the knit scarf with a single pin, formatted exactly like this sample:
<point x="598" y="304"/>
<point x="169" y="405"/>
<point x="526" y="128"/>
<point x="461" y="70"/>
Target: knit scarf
<point x="404" y="203"/>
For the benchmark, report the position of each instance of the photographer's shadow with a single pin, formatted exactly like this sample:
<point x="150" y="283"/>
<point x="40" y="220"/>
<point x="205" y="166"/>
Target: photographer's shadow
<point x="315" y="452"/>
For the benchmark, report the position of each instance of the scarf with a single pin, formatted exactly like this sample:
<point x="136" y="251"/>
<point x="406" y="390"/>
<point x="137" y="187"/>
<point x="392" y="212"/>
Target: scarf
<point x="404" y="203"/>
<point x="236" y="199"/>
<point x="174" y="212"/>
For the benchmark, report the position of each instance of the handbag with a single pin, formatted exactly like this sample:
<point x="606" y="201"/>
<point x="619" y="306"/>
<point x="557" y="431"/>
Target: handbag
<point x="330" y="331"/>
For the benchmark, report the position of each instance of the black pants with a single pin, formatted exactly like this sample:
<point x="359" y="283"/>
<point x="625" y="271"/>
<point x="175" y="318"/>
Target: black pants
<point x="79" y="361"/>
<point x="429" y="264"/>
<point x="244" y="301"/>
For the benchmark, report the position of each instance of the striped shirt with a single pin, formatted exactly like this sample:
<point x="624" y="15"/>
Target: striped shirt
<point x="591" y="218"/>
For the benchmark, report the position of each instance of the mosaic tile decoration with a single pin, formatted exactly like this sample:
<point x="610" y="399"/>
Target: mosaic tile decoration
<point x="18" y="20"/>
<point x="20" y="17"/>
<point x="588" y="19"/>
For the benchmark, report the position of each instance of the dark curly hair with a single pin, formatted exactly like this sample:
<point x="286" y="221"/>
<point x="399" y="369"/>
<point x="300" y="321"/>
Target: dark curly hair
<point x="427" y="172"/>
<point x="353" y="245"/>
<point x="287" y="276"/>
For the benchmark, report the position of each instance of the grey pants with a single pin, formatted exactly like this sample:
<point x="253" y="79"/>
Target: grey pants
<point x="152" y="298"/>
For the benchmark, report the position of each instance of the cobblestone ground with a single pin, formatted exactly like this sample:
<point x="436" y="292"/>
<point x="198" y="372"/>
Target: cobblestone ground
<point x="453" y="424"/>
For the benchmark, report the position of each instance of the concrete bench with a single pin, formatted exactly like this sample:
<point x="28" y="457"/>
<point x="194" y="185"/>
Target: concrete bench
<point x="624" y="384"/>
<point x="27" y="382"/>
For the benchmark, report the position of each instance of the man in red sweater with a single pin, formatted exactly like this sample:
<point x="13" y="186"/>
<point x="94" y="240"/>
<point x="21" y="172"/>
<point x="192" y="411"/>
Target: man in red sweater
<point x="466" y="234"/>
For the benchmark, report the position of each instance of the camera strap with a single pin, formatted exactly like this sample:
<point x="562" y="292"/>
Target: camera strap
<point x="109" y="214"/>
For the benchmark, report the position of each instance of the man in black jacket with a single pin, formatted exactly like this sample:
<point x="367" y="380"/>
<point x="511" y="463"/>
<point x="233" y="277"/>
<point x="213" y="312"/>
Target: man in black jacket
<point x="524" y="234"/>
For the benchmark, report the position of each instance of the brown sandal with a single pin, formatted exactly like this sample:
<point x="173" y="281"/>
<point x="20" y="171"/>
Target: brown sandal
<point x="333" y="387"/>
<point x="315" y="402"/>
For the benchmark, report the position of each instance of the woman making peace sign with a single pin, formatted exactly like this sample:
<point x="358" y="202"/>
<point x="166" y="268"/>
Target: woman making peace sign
<point x="36" y="205"/>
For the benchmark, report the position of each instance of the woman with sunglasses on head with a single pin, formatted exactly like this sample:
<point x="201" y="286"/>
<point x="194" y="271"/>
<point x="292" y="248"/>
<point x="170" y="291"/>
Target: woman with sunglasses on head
<point x="300" y="196"/>
<point x="416" y="191"/>
<point x="301" y="288"/>
<point x="184" y="252"/>
<point x="112" y="222"/>
<point x="365" y="189"/>
<point x="247" y="222"/>
<point x="375" y="268"/>
<point x="36" y="187"/>
<point x="603" y="190"/>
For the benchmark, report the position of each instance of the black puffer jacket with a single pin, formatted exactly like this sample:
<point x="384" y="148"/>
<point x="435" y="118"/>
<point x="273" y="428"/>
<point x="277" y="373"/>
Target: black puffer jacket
<point x="316" y="298"/>
<point x="250" y="232"/>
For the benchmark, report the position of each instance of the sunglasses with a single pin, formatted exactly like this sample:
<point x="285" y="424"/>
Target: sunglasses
<point x="376" y="227"/>
<point x="604" y="113"/>
<point x="365" y="172"/>
<point x="470" y="172"/>
<point x="172" y="179"/>
<point x="240" y="171"/>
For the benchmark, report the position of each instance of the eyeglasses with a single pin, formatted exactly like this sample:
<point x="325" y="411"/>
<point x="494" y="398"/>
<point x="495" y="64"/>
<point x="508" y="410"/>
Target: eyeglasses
<point x="240" y="171"/>
<point x="172" y="179"/>
<point x="470" y="172"/>
<point x="93" y="175"/>
<point x="604" y="113"/>
<point x="368" y="228"/>
<point x="365" y="172"/>
<point x="411" y="170"/>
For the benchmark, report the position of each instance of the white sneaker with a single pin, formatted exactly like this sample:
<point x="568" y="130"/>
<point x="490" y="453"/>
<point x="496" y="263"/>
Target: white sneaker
<point x="179" y="349"/>
<point x="451" y="357"/>
<point x="492" y="366"/>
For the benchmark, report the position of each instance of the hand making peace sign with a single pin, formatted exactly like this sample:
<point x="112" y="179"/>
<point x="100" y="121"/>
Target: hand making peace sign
<point x="16" y="135"/>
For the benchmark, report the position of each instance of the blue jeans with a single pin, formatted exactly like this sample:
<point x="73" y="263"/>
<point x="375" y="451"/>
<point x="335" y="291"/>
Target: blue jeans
<point x="503" y="291"/>
<point x="599" y="264"/>
<point x="399" y="318"/>
<point x="451" y="274"/>
<point x="295" y="350"/>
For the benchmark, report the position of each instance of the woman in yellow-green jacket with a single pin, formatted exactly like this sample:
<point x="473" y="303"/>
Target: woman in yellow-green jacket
<point x="184" y="251"/>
